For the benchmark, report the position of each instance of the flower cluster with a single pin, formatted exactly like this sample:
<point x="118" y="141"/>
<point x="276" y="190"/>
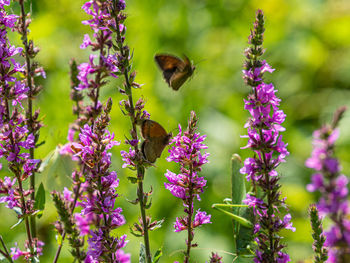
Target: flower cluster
<point x="99" y="216"/>
<point x="264" y="127"/>
<point x="94" y="186"/>
<point x="332" y="185"/>
<point x="91" y="76"/>
<point x="16" y="253"/>
<point x="103" y="24"/>
<point x="130" y="158"/>
<point x="215" y="258"/>
<point x="133" y="158"/>
<point x="17" y="139"/>
<point x="188" y="185"/>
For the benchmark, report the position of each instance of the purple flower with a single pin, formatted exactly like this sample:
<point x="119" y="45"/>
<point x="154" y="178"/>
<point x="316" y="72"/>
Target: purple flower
<point x="188" y="185"/>
<point x="87" y="42"/>
<point x="67" y="195"/>
<point x="317" y="183"/>
<point x="16" y="253"/>
<point x="283" y="257"/>
<point x="180" y="224"/>
<point x="129" y="158"/>
<point x="122" y="257"/>
<point x="264" y="139"/>
<point x="95" y="185"/>
<point x="258" y="205"/>
<point x="332" y="185"/>
<point x="176" y="184"/>
<point x="201" y="218"/>
<point x="99" y="200"/>
<point x="287" y="222"/>
<point x="82" y="224"/>
<point x="86" y="69"/>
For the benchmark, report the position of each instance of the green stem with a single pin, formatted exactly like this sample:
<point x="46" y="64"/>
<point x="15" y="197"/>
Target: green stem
<point x="30" y="108"/>
<point x="228" y="205"/>
<point x="5" y="253"/>
<point x="269" y="204"/>
<point x="59" y="248"/>
<point x="140" y="168"/>
<point x="76" y="195"/>
<point x="140" y="195"/>
<point x="189" y="220"/>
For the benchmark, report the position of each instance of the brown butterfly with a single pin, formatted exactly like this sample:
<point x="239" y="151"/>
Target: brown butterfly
<point x="175" y="70"/>
<point x="156" y="138"/>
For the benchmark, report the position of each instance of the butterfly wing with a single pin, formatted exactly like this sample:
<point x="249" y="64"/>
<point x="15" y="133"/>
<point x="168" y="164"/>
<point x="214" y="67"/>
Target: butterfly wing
<point x="166" y="62"/>
<point x="152" y="129"/>
<point x="169" y="65"/>
<point x="147" y="151"/>
<point x="156" y="138"/>
<point x="153" y="148"/>
<point x="180" y="77"/>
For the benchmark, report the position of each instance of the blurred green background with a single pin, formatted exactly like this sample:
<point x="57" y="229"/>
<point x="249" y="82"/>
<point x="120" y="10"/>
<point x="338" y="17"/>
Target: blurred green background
<point x="307" y="42"/>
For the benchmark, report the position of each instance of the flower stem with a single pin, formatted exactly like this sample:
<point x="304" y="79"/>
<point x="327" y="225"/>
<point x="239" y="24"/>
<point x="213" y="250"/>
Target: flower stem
<point x="59" y="248"/>
<point x="189" y="220"/>
<point x="76" y="195"/>
<point x="139" y="167"/>
<point x="17" y="172"/>
<point x="140" y="196"/>
<point x="30" y="106"/>
<point x="5" y="253"/>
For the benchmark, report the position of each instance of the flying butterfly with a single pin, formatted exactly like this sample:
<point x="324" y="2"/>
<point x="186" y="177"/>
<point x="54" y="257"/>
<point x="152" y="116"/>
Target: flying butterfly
<point x="175" y="70"/>
<point x="155" y="140"/>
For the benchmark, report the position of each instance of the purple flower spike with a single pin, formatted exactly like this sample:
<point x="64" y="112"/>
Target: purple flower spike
<point x="19" y="127"/>
<point x="188" y="185"/>
<point x="332" y="184"/>
<point x="94" y="189"/>
<point x="264" y="139"/>
<point x="98" y="215"/>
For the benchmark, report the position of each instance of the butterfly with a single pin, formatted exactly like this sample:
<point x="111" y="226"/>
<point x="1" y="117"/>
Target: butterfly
<point x="175" y="70"/>
<point x="156" y="138"/>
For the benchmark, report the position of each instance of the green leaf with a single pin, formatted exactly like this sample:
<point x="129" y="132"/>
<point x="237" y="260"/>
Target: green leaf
<point x="18" y="210"/>
<point x="39" y="213"/>
<point x="40" y="199"/>
<point x="18" y="222"/>
<point x="227" y="205"/>
<point x="158" y="225"/>
<point x="142" y="258"/>
<point x="239" y="219"/>
<point x="238" y="191"/>
<point x="149" y="204"/>
<point x="245" y="236"/>
<point x="238" y="183"/>
<point x="157" y="255"/>
<point x="134" y="202"/>
<point x="132" y="180"/>
<point x="244" y="259"/>
<point x="2" y="257"/>
<point x="243" y="233"/>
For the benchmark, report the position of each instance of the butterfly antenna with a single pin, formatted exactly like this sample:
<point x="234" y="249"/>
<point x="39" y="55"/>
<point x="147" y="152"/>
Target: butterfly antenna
<point x="175" y="129"/>
<point x="205" y="59"/>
